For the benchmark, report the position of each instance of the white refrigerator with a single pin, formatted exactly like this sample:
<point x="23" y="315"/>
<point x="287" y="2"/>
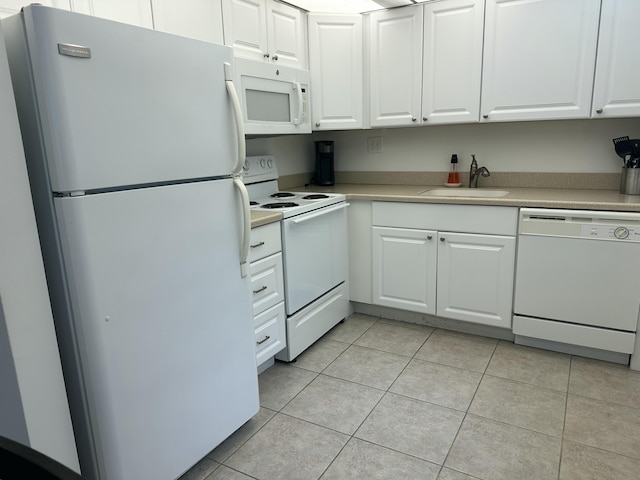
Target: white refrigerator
<point x="133" y="153"/>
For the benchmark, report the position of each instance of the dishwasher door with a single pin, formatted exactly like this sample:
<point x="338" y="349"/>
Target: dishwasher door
<point x="577" y="280"/>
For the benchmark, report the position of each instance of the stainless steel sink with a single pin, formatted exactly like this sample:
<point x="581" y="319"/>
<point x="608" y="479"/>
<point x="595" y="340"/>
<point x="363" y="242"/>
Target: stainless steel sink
<point x="465" y="192"/>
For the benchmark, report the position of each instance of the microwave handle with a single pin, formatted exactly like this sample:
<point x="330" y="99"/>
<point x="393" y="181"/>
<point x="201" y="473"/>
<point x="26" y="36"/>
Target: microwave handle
<point x="298" y="89"/>
<point x="237" y="114"/>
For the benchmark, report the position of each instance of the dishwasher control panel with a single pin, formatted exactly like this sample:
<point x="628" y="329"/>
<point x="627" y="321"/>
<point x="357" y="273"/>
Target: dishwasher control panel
<point x="610" y="232"/>
<point x="591" y="224"/>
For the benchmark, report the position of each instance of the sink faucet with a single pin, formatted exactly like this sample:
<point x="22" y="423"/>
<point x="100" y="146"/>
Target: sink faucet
<point x="475" y="172"/>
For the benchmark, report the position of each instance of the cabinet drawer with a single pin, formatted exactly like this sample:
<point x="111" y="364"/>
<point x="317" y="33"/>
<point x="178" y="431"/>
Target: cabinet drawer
<point x="267" y="283"/>
<point x="270" y="333"/>
<point x="488" y="219"/>
<point x="265" y="241"/>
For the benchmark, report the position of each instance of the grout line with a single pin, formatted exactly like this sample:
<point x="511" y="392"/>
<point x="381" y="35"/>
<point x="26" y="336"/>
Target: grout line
<point x="385" y="391"/>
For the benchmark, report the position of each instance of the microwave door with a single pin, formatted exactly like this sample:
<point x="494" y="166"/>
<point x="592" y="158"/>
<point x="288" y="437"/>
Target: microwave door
<point x="274" y="101"/>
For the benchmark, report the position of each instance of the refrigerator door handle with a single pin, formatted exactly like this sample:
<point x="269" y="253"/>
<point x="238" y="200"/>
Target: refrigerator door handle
<point x="246" y="226"/>
<point x="237" y="114"/>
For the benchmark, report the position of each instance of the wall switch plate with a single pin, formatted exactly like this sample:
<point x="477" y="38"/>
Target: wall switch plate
<point x="374" y="144"/>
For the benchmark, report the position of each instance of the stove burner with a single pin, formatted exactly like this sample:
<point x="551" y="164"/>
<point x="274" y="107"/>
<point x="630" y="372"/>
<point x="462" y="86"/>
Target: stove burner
<point x="253" y="204"/>
<point x="280" y="205"/>
<point x="282" y="195"/>
<point x="315" y="196"/>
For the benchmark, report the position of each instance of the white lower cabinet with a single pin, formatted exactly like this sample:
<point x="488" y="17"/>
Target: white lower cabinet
<point x="359" y="225"/>
<point x="424" y="260"/>
<point x="267" y="286"/>
<point x="475" y="277"/>
<point x="404" y="268"/>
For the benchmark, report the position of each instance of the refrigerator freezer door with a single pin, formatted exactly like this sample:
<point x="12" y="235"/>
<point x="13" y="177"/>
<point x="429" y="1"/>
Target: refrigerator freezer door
<point x="136" y="106"/>
<point x="163" y="320"/>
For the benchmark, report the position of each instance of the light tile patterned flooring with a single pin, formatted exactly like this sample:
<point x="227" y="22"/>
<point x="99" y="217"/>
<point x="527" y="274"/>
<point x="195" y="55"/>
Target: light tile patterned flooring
<point x="379" y="399"/>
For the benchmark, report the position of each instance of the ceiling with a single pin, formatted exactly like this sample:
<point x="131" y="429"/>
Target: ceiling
<point x="348" y="6"/>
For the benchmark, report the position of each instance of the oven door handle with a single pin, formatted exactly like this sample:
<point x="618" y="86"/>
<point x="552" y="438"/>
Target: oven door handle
<point x="319" y="213"/>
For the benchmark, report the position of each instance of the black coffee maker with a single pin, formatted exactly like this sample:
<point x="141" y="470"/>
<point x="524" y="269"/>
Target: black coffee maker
<point x="324" y="174"/>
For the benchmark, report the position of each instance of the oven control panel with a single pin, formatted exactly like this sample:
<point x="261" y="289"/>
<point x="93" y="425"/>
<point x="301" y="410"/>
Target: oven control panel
<point x="259" y="168"/>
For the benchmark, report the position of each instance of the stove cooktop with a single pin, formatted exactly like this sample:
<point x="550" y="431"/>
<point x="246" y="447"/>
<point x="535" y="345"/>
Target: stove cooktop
<point x="296" y="203"/>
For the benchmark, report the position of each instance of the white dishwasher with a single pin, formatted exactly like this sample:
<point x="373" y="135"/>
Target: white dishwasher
<point x="578" y="278"/>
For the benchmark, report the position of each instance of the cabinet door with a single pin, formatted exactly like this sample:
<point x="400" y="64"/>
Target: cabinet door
<point x="395" y="66"/>
<point x="245" y="28"/>
<point x="335" y="61"/>
<point x="475" y="278"/>
<point x="452" y="61"/>
<point x="11" y="7"/>
<point x="201" y="19"/>
<point x="286" y="35"/>
<point x="539" y="59"/>
<point x="617" y="84"/>
<point x="134" y="12"/>
<point x="404" y="268"/>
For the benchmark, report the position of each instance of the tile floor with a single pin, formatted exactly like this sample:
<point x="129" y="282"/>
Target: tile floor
<point x="379" y="399"/>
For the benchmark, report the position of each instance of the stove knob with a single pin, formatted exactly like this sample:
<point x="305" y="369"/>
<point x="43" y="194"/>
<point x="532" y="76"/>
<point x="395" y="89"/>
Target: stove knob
<point x="245" y="166"/>
<point x="270" y="163"/>
<point x="263" y="162"/>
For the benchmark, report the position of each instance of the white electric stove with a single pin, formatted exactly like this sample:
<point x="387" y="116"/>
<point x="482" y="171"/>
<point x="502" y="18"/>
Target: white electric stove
<point x="260" y="176"/>
<point x="314" y="253"/>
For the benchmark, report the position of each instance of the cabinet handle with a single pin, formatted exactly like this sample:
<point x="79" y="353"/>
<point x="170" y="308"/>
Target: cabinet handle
<point x="486" y="115"/>
<point x="256" y="245"/>
<point x="599" y="110"/>
<point x="275" y="58"/>
<point x="429" y="237"/>
<point x="442" y="239"/>
<point x="424" y="119"/>
<point x="263" y="340"/>
<point x="413" y="119"/>
<point x="317" y="124"/>
<point x="264" y="287"/>
<point x="266" y="55"/>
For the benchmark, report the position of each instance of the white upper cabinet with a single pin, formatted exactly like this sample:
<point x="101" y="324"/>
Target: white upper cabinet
<point x="201" y="19"/>
<point x="395" y="66"/>
<point x="134" y="12"/>
<point x="452" y="61"/>
<point x="11" y="7"/>
<point x="336" y="66"/>
<point x="265" y="30"/>
<point x="245" y="27"/>
<point x="617" y="84"/>
<point x="539" y="59"/>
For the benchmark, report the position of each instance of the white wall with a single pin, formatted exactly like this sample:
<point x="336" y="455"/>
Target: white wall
<point x="550" y="146"/>
<point x="32" y="392"/>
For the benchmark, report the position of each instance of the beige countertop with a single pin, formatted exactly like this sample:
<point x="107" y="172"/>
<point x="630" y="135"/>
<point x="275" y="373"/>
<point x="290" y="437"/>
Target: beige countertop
<point x="517" y="197"/>
<point x="263" y="218"/>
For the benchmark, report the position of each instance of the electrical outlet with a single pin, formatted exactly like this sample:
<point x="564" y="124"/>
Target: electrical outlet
<point x="374" y="144"/>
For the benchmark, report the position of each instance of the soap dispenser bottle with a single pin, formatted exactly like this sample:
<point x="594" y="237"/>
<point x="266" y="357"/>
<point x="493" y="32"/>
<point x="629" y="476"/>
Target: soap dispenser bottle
<point x="454" y="177"/>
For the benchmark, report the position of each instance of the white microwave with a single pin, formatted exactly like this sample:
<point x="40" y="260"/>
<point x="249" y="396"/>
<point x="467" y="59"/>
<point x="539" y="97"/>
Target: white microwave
<point x="274" y="99"/>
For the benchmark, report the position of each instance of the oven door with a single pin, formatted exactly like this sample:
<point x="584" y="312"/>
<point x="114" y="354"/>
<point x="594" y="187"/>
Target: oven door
<point x="315" y="254"/>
